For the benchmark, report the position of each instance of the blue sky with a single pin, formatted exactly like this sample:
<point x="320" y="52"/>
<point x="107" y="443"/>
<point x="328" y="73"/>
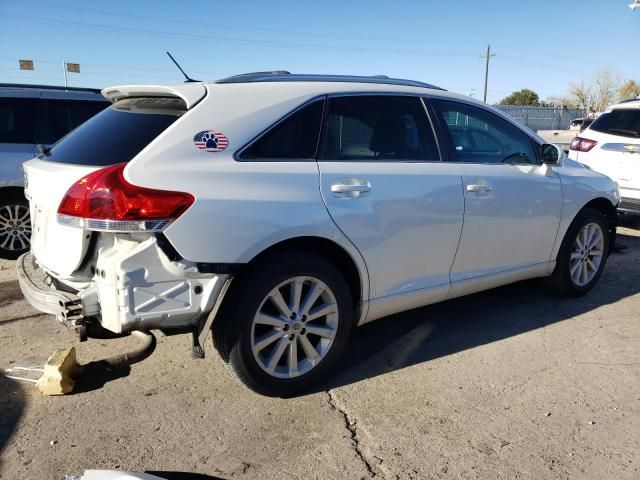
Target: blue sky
<point x="542" y="45"/>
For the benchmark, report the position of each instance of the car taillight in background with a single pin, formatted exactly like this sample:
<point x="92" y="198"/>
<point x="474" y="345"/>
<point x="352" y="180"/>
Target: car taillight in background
<point x="582" y="144"/>
<point x="105" y="201"/>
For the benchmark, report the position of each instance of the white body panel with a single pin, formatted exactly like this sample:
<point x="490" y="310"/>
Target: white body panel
<point x="418" y="237"/>
<point x="58" y="248"/>
<point x="512" y="224"/>
<point x="415" y="208"/>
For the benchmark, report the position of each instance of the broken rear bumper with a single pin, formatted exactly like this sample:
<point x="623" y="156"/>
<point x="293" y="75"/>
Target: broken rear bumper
<point x="134" y="287"/>
<point x="37" y="290"/>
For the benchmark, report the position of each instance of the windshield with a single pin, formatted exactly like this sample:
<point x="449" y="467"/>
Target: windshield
<point x="118" y="133"/>
<point x="623" y="122"/>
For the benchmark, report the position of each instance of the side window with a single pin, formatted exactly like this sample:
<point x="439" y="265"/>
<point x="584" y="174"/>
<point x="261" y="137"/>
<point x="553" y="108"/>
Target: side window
<point x="62" y="116"/>
<point x="18" y="120"/>
<point x="378" y="127"/>
<point x="296" y="137"/>
<point x="478" y="136"/>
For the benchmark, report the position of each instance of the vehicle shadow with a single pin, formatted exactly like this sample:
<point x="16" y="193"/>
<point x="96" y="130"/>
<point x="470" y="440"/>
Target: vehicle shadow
<point x="12" y="402"/>
<point x="181" y="475"/>
<point x="427" y="333"/>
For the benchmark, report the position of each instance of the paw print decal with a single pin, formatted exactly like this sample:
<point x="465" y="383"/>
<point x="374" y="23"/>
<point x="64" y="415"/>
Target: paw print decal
<point x="210" y="141"/>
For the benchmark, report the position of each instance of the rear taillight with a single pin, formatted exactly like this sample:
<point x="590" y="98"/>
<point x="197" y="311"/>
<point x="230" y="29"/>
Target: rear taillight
<point x="582" y="144"/>
<point x="105" y="201"/>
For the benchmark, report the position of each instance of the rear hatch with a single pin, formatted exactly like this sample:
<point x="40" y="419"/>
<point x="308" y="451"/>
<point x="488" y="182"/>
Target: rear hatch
<point x="115" y="135"/>
<point x="617" y="153"/>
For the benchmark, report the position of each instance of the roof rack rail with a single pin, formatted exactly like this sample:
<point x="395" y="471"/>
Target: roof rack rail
<point x="48" y="87"/>
<point x="283" y="76"/>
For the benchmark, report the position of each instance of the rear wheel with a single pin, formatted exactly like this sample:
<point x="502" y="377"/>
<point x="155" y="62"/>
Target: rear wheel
<point x="582" y="255"/>
<point x="15" y="225"/>
<point x="286" y="324"/>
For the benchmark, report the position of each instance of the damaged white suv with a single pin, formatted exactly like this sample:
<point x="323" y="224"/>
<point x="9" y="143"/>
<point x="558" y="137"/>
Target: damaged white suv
<point x="282" y="210"/>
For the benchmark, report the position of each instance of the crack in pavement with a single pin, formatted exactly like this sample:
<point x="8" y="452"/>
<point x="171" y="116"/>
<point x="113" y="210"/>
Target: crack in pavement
<point x="351" y="425"/>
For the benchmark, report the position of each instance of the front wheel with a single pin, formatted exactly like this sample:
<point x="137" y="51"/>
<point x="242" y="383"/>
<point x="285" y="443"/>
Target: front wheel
<point x="582" y="255"/>
<point x="286" y="324"/>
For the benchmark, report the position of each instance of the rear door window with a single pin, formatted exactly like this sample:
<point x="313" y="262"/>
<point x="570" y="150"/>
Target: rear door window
<point x="378" y="127"/>
<point x="119" y="133"/>
<point x="62" y="116"/>
<point x="18" y="118"/>
<point x="624" y="122"/>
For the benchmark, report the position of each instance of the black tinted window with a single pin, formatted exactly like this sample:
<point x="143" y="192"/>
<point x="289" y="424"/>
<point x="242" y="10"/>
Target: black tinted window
<point x="294" y="138"/>
<point x="18" y="118"/>
<point x="378" y="128"/>
<point x="479" y="136"/>
<point x="624" y="122"/>
<point x="62" y="116"/>
<point x="118" y="133"/>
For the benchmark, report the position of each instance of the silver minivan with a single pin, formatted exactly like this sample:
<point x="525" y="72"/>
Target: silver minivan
<point x="32" y="115"/>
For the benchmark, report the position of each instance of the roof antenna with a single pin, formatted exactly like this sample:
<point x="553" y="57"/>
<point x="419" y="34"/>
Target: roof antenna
<point x="188" y="79"/>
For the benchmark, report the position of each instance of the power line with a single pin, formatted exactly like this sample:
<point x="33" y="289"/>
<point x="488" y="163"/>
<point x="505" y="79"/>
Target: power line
<point x="234" y="40"/>
<point x="238" y="27"/>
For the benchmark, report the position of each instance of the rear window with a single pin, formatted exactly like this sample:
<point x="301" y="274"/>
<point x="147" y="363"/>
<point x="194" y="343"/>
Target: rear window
<point x="622" y="122"/>
<point x="18" y="118"/>
<point x="119" y="133"/>
<point x="62" y="116"/>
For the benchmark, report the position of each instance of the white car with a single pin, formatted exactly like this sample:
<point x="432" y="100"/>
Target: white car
<point x="611" y="145"/>
<point x="287" y="209"/>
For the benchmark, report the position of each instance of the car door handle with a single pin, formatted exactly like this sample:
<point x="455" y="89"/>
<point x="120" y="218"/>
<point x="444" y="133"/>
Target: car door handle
<point x="351" y="188"/>
<point x="480" y="188"/>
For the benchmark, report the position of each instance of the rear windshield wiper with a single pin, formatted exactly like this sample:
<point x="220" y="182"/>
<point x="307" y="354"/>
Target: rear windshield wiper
<point x="633" y="133"/>
<point x="44" y="150"/>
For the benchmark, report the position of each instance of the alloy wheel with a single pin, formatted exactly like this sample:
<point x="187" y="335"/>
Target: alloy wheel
<point x="294" y="327"/>
<point x="15" y="227"/>
<point x="586" y="255"/>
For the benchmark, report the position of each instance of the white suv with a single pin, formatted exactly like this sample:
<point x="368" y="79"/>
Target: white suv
<point x="611" y="145"/>
<point x="287" y="209"/>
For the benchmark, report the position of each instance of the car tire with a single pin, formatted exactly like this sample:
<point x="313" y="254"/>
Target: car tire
<point x="15" y="224"/>
<point x="282" y="358"/>
<point x="582" y="255"/>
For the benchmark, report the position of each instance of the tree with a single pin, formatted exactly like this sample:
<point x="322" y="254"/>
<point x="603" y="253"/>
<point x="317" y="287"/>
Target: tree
<point x="580" y="93"/>
<point x="524" y="97"/>
<point x="605" y="90"/>
<point x="629" y="89"/>
<point x="598" y="93"/>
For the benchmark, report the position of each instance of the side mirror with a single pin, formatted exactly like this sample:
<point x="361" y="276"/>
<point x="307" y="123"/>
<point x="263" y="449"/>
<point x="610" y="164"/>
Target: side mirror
<point x="551" y="154"/>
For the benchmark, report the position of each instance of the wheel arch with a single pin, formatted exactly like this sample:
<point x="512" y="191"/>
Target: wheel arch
<point x="609" y="210"/>
<point x="9" y="190"/>
<point x="354" y="273"/>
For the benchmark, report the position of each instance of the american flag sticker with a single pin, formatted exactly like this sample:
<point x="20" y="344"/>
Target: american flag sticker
<point x="210" y="141"/>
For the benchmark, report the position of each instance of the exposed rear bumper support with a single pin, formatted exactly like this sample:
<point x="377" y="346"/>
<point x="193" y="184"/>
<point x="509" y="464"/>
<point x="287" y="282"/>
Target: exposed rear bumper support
<point x="66" y="306"/>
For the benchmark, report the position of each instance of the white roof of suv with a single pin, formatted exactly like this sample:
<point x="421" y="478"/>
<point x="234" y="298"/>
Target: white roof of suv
<point x="635" y="103"/>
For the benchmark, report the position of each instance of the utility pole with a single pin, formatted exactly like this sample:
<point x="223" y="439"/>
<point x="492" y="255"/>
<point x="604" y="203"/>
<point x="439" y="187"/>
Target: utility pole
<point x="486" y="71"/>
<point x="64" y="69"/>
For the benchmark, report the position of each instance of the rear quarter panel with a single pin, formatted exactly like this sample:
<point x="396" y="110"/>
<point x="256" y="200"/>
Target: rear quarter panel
<point x="241" y="208"/>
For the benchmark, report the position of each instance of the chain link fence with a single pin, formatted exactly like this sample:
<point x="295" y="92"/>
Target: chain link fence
<point x="543" y="118"/>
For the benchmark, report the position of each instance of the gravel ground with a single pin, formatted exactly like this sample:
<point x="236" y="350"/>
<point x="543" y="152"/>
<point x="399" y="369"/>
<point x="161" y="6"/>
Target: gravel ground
<point x="510" y="383"/>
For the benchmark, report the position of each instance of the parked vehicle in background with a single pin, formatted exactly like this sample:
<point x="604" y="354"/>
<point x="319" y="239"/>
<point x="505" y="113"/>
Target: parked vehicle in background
<point x="32" y="115"/>
<point x="611" y="145"/>
<point x="286" y="209"/>
<point x="562" y="138"/>
<point x="580" y="124"/>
